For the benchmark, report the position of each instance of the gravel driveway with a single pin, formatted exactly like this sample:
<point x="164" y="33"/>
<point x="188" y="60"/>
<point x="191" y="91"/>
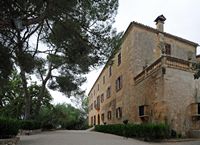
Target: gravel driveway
<point x="66" y="137"/>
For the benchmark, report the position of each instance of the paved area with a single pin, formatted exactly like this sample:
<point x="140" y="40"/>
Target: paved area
<point x="65" y="137"/>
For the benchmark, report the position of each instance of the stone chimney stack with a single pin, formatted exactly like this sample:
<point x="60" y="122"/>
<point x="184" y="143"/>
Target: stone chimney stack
<point x="160" y="22"/>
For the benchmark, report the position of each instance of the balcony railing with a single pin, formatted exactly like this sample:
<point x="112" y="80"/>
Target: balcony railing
<point x="163" y="61"/>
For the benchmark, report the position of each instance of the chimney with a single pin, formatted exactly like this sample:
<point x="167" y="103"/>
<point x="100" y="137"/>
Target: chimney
<point x="160" y="22"/>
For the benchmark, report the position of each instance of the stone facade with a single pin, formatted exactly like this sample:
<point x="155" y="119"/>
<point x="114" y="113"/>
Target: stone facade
<point x="150" y="80"/>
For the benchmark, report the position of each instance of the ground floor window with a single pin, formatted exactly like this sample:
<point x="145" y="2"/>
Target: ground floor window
<point x="119" y="112"/>
<point x="94" y="120"/>
<point x="109" y="115"/>
<point x="91" y="121"/>
<point x="141" y="110"/>
<point x="102" y="117"/>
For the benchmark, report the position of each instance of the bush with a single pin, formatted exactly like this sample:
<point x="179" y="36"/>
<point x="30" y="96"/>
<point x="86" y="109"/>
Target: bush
<point x="29" y="125"/>
<point x="47" y="126"/>
<point x="147" y="131"/>
<point x="8" y="127"/>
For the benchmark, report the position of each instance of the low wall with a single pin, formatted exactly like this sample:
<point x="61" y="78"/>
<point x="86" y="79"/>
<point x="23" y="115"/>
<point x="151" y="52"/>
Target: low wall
<point x="9" y="141"/>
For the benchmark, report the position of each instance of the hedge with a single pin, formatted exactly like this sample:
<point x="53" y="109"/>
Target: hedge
<point x="148" y="131"/>
<point x="29" y="124"/>
<point x="8" y="127"/>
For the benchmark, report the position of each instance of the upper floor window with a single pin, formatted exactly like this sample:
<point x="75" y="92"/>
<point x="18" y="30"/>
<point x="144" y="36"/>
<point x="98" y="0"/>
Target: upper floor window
<point x="102" y="98"/>
<point x="198" y="108"/>
<point x="95" y="104"/>
<point x="98" y="102"/>
<point x="110" y="71"/>
<point x="103" y="79"/>
<point x="108" y="92"/>
<point x="119" y="112"/>
<point x="119" y="59"/>
<point x="98" y="87"/>
<point x="118" y="83"/>
<point x="94" y="92"/>
<point x="167" y="49"/>
<point x="109" y="115"/>
<point x="91" y="106"/>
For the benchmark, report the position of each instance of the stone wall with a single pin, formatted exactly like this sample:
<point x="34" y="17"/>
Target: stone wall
<point x="180" y="93"/>
<point x="10" y="141"/>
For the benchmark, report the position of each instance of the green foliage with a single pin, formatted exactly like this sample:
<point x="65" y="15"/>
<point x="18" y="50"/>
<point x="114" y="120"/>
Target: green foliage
<point x="29" y="124"/>
<point x="78" y="36"/>
<point x="12" y="99"/>
<point x="146" y="131"/>
<point x="61" y="115"/>
<point x="5" y="65"/>
<point x="8" y="127"/>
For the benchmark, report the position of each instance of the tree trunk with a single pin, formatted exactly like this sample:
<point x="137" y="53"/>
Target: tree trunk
<point x="27" y="97"/>
<point x="43" y="87"/>
<point x="40" y="97"/>
<point x="27" y="113"/>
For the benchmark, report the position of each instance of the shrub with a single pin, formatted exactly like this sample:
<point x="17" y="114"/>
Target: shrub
<point x="47" y="126"/>
<point x="147" y="131"/>
<point x="8" y="127"/>
<point x="29" y="125"/>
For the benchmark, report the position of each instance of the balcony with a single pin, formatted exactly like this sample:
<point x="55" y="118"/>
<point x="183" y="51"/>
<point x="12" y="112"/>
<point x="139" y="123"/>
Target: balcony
<point x="163" y="62"/>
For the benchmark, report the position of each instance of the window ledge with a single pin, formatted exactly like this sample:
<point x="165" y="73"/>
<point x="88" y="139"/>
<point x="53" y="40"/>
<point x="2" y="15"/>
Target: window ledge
<point x="195" y="115"/>
<point x="144" y="116"/>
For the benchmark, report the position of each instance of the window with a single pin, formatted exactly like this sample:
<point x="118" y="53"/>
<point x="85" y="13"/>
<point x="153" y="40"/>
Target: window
<point x="119" y="112"/>
<point x="198" y="108"/>
<point x="91" y="106"/>
<point x="108" y="93"/>
<point x="95" y="104"/>
<point x="102" y="98"/>
<point x="118" y="83"/>
<point x="94" y="120"/>
<point x="94" y="92"/>
<point x="167" y="49"/>
<point x="141" y="110"/>
<point x="98" y="102"/>
<point x="102" y="117"/>
<point x="98" y="87"/>
<point x="91" y="120"/>
<point x="103" y="79"/>
<point x="110" y="71"/>
<point x="119" y="59"/>
<point x="109" y="115"/>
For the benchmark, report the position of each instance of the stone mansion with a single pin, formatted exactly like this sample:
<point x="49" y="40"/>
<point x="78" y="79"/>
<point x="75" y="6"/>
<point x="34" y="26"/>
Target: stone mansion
<point x="150" y="80"/>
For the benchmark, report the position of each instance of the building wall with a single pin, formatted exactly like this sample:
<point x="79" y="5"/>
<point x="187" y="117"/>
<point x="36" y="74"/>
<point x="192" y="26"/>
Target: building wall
<point x="150" y="92"/>
<point x="180" y="92"/>
<point x="161" y="92"/>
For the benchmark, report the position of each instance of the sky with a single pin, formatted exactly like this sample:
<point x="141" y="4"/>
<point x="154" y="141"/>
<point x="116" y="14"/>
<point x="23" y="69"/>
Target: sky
<point x="183" y="20"/>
